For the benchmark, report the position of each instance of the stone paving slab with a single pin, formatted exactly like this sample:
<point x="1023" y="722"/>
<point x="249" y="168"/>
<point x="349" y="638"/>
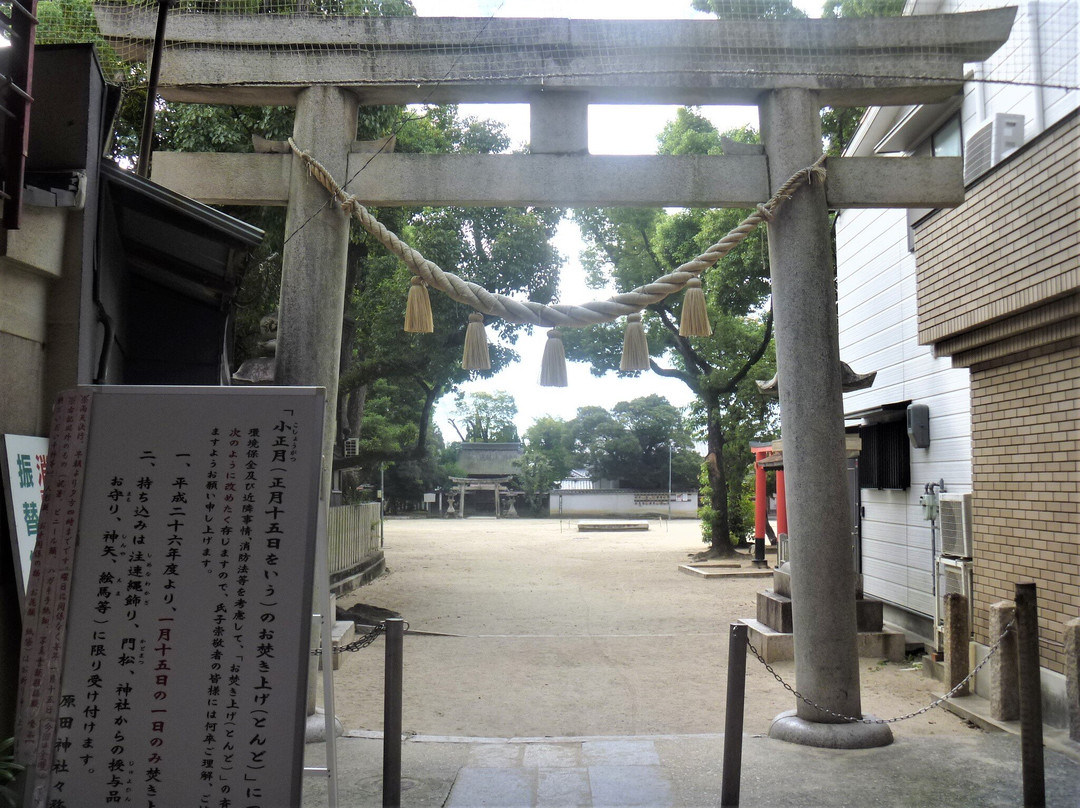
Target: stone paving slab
<point x="977" y="771"/>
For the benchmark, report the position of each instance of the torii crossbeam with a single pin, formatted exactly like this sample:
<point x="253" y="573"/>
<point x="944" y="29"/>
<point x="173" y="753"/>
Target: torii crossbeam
<point x="789" y="69"/>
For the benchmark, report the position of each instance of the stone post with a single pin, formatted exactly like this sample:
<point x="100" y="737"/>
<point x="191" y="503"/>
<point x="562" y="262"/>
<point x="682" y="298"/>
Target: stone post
<point x="313" y="258"/>
<point x="312" y="298"/>
<point x="1004" y="681"/>
<point x="812" y="422"/>
<point x="1072" y="676"/>
<point x="957" y="642"/>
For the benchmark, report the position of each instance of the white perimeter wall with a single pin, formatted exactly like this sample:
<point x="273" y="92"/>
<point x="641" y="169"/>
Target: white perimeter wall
<point x="615" y="503"/>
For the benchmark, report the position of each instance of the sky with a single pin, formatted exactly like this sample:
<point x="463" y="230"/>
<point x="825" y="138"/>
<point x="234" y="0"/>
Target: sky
<point x="612" y="130"/>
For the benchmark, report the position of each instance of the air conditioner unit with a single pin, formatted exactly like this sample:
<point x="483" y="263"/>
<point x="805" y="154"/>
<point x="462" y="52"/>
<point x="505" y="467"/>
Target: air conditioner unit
<point x="954" y="577"/>
<point x="352" y="447"/>
<point x="954" y="525"/>
<point x="991" y="143"/>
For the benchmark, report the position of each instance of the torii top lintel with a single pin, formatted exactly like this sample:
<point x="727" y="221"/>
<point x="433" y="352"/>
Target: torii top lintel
<point x="256" y="59"/>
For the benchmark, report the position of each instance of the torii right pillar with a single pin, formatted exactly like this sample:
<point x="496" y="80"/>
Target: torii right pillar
<point x="811" y="407"/>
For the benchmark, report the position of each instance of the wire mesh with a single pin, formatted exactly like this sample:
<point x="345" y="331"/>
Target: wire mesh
<point x="354" y="42"/>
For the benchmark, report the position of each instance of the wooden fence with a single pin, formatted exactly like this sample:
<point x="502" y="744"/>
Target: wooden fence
<point x="353" y="538"/>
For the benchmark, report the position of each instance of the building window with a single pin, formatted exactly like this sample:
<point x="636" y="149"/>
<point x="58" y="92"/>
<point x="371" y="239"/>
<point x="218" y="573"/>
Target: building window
<point x="946" y="141"/>
<point x="885" y="458"/>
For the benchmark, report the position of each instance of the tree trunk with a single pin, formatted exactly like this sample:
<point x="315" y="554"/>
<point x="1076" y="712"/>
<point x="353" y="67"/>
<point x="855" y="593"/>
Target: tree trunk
<point x="719" y="527"/>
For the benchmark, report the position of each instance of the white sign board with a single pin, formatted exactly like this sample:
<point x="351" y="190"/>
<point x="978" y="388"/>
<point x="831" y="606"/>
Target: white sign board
<point x="184" y="651"/>
<point x="25" y="460"/>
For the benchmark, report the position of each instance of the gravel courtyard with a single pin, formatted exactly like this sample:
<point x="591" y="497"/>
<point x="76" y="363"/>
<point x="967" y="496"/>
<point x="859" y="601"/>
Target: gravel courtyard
<point x="555" y="632"/>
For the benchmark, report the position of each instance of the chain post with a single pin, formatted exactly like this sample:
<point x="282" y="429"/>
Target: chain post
<point x="858" y="720"/>
<point x="733" y="719"/>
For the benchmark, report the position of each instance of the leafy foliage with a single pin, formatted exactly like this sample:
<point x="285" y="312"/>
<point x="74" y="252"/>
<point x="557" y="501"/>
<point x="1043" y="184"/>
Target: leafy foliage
<point x="487" y="417"/>
<point x="628" y="445"/>
<point x="630" y="247"/>
<point x="750" y="9"/>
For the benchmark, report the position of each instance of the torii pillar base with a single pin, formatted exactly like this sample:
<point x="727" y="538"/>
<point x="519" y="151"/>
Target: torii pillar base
<point x="855" y="735"/>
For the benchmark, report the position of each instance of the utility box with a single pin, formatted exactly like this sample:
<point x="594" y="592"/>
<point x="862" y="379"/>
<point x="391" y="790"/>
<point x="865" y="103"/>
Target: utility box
<point x="918" y="425"/>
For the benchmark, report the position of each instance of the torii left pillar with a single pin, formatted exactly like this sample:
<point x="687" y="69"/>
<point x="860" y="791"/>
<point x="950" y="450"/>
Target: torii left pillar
<point x="312" y="299"/>
<point x="314" y="257"/>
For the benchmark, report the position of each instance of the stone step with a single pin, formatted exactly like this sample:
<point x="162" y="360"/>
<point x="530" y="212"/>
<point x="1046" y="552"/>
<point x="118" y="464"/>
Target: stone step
<point x="774" y="610"/>
<point x="611" y="524"/>
<point x="777" y="646"/>
<point x="343" y="633"/>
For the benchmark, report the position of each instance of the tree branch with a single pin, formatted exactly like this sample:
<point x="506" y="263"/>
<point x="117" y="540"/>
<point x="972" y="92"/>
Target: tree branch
<point x="753" y="359"/>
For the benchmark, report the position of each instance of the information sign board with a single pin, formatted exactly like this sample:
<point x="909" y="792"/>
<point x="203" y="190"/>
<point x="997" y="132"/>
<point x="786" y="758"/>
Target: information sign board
<point x="171" y="589"/>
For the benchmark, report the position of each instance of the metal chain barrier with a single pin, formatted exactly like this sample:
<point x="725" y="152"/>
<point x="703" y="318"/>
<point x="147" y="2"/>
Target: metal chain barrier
<point x="852" y="719"/>
<point x="360" y="644"/>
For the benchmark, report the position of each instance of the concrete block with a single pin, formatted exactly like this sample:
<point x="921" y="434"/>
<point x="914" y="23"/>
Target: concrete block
<point x="1072" y="676"/>
<point x="774" y="610"/>
<point x="869" y="614"/>
<point x="1004" y="675"/>
<point x="559" y="124"/>
<point x="782" y="579"/>
<point x="613" y="524"/>
<point x="343" y="633"/>
<point x="957" y="642"/>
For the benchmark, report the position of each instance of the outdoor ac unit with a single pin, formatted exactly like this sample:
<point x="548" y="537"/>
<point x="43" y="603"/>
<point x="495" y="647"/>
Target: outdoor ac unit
<point x="954" y="521"/>
<point x="352" y="447"/>
<point x="954" y="577"/>
<point x="992" y="143"/>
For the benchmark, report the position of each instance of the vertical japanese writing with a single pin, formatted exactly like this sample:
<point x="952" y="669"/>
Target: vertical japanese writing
<point x="42" y="731"/>
<point x="183" y="670"/>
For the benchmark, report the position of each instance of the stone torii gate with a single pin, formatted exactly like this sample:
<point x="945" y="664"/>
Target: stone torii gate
<point x="790" y="69"/>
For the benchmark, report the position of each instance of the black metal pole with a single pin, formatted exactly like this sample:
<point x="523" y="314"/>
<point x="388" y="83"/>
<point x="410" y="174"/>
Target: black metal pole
<point x="391" y="772"/>
<point x="733" y="720"/>
<point x="146" y="140"/>
<point x="1031" y="737"/>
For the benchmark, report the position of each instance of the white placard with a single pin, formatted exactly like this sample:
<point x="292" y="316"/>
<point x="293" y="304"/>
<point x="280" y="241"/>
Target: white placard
<point x="185" y="650"/>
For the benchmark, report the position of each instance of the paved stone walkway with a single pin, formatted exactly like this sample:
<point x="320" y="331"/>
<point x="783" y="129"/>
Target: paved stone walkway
<point x="980" y="770"/>
<point x="587" y="773"/>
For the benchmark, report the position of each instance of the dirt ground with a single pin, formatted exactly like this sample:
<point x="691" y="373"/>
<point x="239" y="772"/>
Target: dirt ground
<point x="554" y="632"/>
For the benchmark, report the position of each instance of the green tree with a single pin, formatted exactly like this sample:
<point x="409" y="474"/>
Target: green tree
<point x="750" y="9"/>
<point x="487" y="417"/>
<point x="630" y="247"/>
<point x="838" y="124"/>
<point x="664" y="438"/>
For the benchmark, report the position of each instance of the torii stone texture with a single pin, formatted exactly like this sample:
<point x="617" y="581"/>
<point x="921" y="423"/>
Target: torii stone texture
<point x="812" y="422"/>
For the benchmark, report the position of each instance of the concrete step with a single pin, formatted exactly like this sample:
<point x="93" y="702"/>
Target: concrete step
<point x="733" y="569"/>
<point x="613" y="524"/>
<point x="343" y="633"/>
<point x="778" y="646"/>
<point x="774" y="610"/>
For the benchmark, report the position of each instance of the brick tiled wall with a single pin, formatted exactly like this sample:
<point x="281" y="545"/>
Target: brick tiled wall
<point x="1025" y="446"/>
<point x="1014" y="243"/>
<point x="998" y="288"/>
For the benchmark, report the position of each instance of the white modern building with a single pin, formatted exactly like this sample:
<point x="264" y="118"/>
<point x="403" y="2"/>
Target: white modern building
<point x="1025" y="95"/>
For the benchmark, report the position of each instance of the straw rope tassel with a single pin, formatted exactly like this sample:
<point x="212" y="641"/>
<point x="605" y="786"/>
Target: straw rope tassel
<point x="475" y="355"/>
<point x="695" y="313"/>
<point x="418" y="308"/>
<point x="553" y="366"/>
<point x="635" y="348"/>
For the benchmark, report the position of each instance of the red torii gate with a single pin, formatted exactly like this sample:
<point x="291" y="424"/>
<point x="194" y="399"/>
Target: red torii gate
<point x="761" y="500"/>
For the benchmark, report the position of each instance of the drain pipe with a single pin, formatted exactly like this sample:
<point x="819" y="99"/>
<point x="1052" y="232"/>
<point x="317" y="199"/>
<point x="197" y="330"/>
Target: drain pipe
<point x="147" y="137"/>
